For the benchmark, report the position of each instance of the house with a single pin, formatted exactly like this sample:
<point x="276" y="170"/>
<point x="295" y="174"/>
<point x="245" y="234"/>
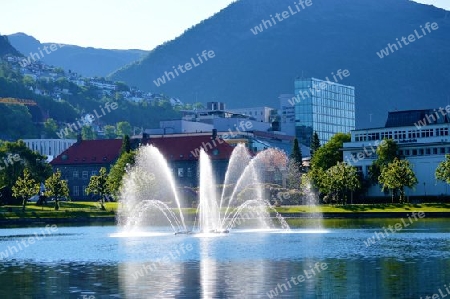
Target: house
<point x="182" y="152"/>
<point x="83" y="160"/>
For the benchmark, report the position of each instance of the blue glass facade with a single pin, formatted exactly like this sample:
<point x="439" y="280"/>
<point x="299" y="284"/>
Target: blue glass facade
<point x="323" y="107"/>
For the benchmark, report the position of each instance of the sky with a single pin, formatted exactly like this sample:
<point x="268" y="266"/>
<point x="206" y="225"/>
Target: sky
<point x="113" y="24"/>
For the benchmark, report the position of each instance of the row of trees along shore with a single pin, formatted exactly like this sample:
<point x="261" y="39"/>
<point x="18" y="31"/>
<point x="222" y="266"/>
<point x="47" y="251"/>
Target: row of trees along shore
<point x="335" y="180"/>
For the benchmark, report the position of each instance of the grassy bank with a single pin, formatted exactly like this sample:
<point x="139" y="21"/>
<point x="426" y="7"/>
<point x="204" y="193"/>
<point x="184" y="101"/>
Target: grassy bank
<point x="370" y="208"/>
<point x="92" y="210"/>
<point x="66" y="210"/>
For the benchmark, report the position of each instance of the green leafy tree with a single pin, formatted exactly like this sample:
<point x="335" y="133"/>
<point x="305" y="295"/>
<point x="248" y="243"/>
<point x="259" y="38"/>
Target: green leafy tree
<point x="98" y="185"/>
<point x="315" y="143"/>
<point x="386" y="153"/>
<point x="443" y="170"/>
<point x="326" y="157"/>
<point x="338" y="180"/>
<point x="50" y="128"/>
<point x="126" y="145"/>
<point x="125" y="161"/>
<point x="56" y="187"/>
<point x="110" y="132"/>
<point x="25" y="187"/>
<point x="124" y="128"/>
<point x="14" y="158"/>
<point x="396" y="176"/>
<point x="329" y="154"/>
<point x="87" y="132"/>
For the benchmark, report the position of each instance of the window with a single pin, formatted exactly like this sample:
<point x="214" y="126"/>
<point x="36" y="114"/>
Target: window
<point x="434" y="151"/>
<point x="76" y="191"/>
<point x="94" y="172"/>
<point x="85" y="175"/>
<point x="421" y="152"/>
<point x="189" y="172"/>
<point x="427" y="151"/>
<point x="180" y="172"/>
<point x="442" y="150"/>
<point x="414" y="152"/>
<point x="75" y="174"/>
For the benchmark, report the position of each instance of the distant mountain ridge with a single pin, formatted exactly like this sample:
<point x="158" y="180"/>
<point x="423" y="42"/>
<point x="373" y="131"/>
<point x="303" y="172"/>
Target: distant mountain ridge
<point x="88" y="62"/>
<point x="254" y="69"/>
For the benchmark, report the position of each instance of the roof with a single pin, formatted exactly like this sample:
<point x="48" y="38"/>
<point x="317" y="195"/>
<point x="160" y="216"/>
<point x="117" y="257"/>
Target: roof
<point x="407" y="118"/>
<point x="185" y="148"/>
<point x="90" y="152"/>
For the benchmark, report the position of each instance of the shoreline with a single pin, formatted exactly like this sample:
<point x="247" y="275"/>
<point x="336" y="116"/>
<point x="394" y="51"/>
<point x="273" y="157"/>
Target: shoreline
<point x="112" y="220"/>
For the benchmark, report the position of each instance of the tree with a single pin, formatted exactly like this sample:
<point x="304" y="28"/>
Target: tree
<point x="123" y="128"/>
<point x="56" y="187"/>
<point x="442" y="172"/>
<point x="315" y="143"/>
<point x="50" y="128"/>
<point x="340" y="179"/>
<point x="329" y="154"/>
<point x="87" y="132"/>
<point x="126" y="145"/>
<point x="14" y="158"/>
<point x="110" y="132"/>
<point x="386" y="153"/>
<point x="296" y="155"/>
<point x="25" y="187"/>
<point x="98" y="185"/>
<point x="396" y="176"/>
<point x="119" y="169"/>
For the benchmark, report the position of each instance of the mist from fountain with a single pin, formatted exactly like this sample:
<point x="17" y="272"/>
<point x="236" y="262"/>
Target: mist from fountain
<point x="149" y="187"/>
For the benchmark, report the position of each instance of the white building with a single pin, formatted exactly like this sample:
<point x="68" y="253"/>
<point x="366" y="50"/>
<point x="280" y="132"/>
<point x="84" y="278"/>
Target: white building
<point x="424" y="144"/>
<point x="261" y="114"/>
<point x="49" y="147"/>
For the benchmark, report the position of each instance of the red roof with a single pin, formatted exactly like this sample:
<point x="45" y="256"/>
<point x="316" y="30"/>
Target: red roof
<point x="188" y="147"/>
<point x="90" y="152"/>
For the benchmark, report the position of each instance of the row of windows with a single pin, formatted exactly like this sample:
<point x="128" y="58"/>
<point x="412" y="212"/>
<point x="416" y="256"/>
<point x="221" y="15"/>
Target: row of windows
<point x="181" y="172"/>
<point x="402" y="134"/>
<point x="76" y="190"/>
<point x="84" y="174"/>
<point x="425" y="151"/>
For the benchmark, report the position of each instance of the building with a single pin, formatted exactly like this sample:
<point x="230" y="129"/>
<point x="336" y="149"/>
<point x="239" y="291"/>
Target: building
<point x="323" y="107"/>
<point x="423" y="139"/>
<point x="260" y="114"/>
<point x="49" y="147"/>
<point x="182" y="153"/>
<point x="287" y="114"/>
<point x="83" y="160"/>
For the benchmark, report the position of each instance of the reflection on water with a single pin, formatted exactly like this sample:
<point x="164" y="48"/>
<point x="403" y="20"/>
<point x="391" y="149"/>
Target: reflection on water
<point x="92" y="261"/>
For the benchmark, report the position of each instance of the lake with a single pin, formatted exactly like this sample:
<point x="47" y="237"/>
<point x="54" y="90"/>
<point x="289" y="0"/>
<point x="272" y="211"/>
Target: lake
<point x="335" y="260"/>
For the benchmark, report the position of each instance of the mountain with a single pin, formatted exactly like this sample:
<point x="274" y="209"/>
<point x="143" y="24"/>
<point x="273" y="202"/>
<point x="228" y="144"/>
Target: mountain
<point x="254" y="69"/>
<point x="6" y="47"/>
<point x="88" y="62"/>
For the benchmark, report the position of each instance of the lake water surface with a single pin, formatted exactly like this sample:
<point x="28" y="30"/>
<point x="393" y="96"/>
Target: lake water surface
<point x="329" y="262"/>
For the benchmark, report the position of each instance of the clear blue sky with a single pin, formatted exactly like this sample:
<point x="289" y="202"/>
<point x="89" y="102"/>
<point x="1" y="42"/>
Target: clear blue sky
<point x="112" y="24"/>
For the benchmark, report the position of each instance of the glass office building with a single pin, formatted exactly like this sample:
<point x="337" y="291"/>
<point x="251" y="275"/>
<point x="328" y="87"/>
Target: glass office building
<point x="323" y="107"/>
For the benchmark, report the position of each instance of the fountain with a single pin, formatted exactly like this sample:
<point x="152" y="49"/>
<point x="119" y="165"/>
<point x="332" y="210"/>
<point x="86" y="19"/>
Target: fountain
<point x="149" y="195"/>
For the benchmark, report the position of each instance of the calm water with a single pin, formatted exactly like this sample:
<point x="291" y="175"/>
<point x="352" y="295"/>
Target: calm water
<point x="98" y="262"/>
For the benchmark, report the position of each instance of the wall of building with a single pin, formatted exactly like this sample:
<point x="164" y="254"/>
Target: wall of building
<point x="323" y="107"/>
<point x="49" y="147"/>
<point x="425" y="148"/>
